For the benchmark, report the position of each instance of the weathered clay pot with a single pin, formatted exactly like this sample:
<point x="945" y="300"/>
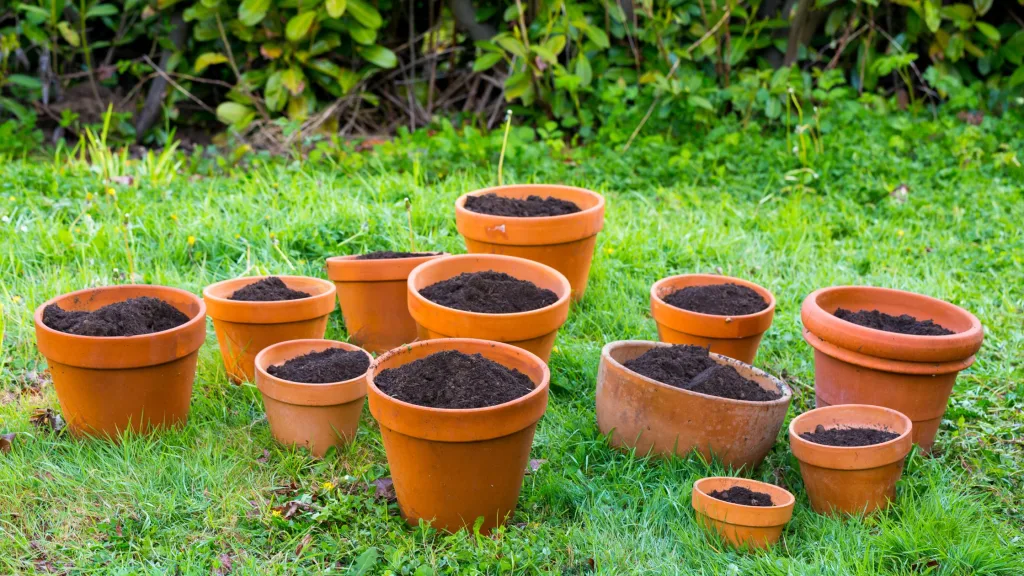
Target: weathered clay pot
<point x="565" y="243"/>
<point x="733" y="336"/>
<point x="315" y="416"/>
<point x="854" y="480"/>
<point x="454" y="466"/>
<point x="742" y="526"/>
<point x="648" y="416"/>
<point x="912" y="374"/>
<point x="108" y="385"/>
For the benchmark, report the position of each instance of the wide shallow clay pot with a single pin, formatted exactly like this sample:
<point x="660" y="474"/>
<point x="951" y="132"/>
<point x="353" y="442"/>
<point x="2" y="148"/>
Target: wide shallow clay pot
<point x="108" y="385"/>
<point x="734" y="336"/>
<point x="534" y="330"/>
<point x="912" y="374"/>
<point x="454" y="466"/>
<point x="566" y="243"/>
<point x="373" y="300"/>
<point x="244" y="328"/>
<point x="315" y="416"/>
<point x="743" y="526"/>
<point x="648" y="416"/>
<point x="854" y="480"/>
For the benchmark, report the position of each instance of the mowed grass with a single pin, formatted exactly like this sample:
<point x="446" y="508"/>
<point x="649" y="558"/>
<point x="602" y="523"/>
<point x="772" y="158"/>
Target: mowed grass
<point x="199" y="500"/>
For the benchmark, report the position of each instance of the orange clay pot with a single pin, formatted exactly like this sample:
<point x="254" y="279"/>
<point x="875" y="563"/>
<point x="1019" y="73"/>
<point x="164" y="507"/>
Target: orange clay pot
<point x="648" y="416"/>
<point x="912" y="374"/>
<point x="108" y="385"/>
<point x="534" y="330"/>
<point x="453" y="466"/>
<point x="315" y="416"/>
<point x="853" y="480"/>
<point x="244" y="328"/>
<point x="566" y="243"/>
<point x="734" y="336"/>
<point x="753" y="527"/>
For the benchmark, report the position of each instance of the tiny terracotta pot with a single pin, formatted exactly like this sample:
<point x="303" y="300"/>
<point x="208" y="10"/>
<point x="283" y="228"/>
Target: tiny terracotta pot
<point x="639" y="413"/>
<point x="733" y="336"/>
<point x="751" y="527"/>
<point x="373" y="300"/>
<point x="453" y="466"/>
<point x="534" y="331"/>
<point x="108" y="385"/>
<point x="315" y="416"/>
<point x="911" y="374"/>
<point x="851" y="480"/>
<point x="565" y="243"/>
<point x="245" y="328"/>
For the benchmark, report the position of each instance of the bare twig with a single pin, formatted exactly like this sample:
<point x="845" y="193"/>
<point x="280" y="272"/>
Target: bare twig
<point x="177" y="86"/>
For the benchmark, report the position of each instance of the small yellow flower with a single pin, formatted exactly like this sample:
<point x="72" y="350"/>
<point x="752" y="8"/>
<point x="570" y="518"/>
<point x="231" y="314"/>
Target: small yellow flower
<point x="88" y="196"/>
<point x="111" y="192"/>
<point x="16" y="299"/>
<point x="327" y="485"/>
<point x="555" y="349"/>
<point x="12" y="198"/>
<point x="267" y="217"/>
<point x="272" y="235"/>
<point x="275" y="513"/>
<point x="174" y="217"/>
<point x="237" y="236"/>
<point x="609" y="251"/>
<point x="899" y="233"/>
<point x="77" y="229"/>
<point x="191" y="240"/>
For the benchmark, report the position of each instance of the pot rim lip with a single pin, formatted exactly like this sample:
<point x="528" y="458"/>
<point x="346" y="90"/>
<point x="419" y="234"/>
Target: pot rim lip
<point x="349" y="269"/>
<point x="355" y="257"/>
<point x="746" y="483"/>
<point x="310" y="385"/>
<point x="461" y="210"/>
<point x="794" y="437"/>
<point x="266" y="303"/>
<point x="725" y="280"/>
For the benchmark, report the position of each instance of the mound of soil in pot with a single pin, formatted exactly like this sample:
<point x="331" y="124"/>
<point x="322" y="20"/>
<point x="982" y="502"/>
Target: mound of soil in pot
<point x="717" y="299"/>
<point x="742" y="495"/>
<point x="268" y="289"/>
<point x="902" y="324"/>
<point x="532" y="207"/>
<point x="848" y="436"/>
<point x="691" y="368"/>
<point x="489" y="292"/>
<point x="389" y="255"/>
<point x="324" y="367"/>
<point x="452" y="379"/>
<point x="133" y="317"/>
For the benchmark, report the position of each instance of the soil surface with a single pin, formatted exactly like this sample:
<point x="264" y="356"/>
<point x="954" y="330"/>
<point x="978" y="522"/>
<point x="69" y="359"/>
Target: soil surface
<point x="388" y="255"/>
<point x="848" y="436"/>
<point x="690" y="368"/>
<point x="452" y="379"/>
<point x="532" y="207"/>
<point x="268" y="289"/>
<point x="133" y="317"/>
<point x="717" y="299"/>
<point x="489" y="292"/>
<point x="744" y="496"/>
<point x="324" y="367"/>
<point x="902" y="324"/>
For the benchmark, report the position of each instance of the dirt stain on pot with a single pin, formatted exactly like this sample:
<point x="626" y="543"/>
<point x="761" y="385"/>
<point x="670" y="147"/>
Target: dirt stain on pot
<point x="324" y="367"/>
<point x="848" y="436"/>
<point x="132" y="317"/>
<point x="389" y="255"/>
<point x="267" y="289"/>
<point x="451" y="379"/>
<point x="489" y="292"/>
<point x="902" y="324"/>
<point x="742" y="495"/>
<point x="532" y="207"/>
<point x="691" y="368"/>
<point x="717" y="299"/>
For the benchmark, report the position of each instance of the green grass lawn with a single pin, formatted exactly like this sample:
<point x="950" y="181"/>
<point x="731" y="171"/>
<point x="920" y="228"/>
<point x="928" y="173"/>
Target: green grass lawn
<point x="199" y="500"/>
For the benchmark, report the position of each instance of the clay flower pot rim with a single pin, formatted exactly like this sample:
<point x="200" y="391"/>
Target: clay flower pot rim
<point x="350" y="269"/>
<point x="208" y="291"/>
<point x="311" y="341"/>
<point x="724" y="280"/>
<point x="460" y="204"/>
<point x="795" y="437"/>
<point x="746" y="483"/>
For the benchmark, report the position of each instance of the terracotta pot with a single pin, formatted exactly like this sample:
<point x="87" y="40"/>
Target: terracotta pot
<point x="373" y="300"/>
<point x="108" y="385"/>
<point x="743" y="526"/>
<point x="534" y="330"/>
<point x="912" y="374"/>
<point x="315" y="416"/>
<point x="648" y="416"/>
<point x="854" y="480"/>
<point x="565" y="243"/>
<point x="453" y="466"/>
<point x="244" y="328"/>
<point x="734" y="336"/>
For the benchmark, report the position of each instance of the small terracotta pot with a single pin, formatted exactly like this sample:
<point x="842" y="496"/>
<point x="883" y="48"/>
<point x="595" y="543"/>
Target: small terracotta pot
<point x="565" y="243"/>
<point x="453" y="466"/>
<point x="316" y="416"/>
<point x="108" y="385"/>
<point x="853" y="480"/>
<point x="734" y="336"/>
<point x="648" y="416"/>
<point x="912" y="374"/>
<point x="244" y="328"/>
<point x="373" y="300"/>
<point x="534" y="330"/>
<point x="754" y="527"/>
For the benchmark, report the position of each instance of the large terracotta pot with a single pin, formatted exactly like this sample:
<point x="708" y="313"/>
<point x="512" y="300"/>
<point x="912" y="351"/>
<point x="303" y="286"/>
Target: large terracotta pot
<point x="733" y="336"/>
<point x="565" y="243"/>
<point x="912" y="374"/>
<point x="534" y="330"/>
<point x="108" y="385"/>
<point x="244" y="328"/>
<point x="743" y="526"/>
<point x="648" y="416"/>
<point x="453" y="466"/>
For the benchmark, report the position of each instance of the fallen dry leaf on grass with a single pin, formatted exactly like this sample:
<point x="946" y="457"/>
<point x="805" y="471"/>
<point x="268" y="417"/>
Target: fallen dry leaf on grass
<point x="290" y="509"/>
<point x="46" y="419"/>
<point x="305" y="542"/>
<point x="384" y="489"/>
<point x="5" y="442"/>
<point x="534" y="465"/>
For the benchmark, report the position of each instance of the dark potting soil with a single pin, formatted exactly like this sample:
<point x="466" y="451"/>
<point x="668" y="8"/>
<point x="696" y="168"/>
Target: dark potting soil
<point x="452" y="379"/>
<point x="691" y="368"/>
<point x="848" y="436"/>
<point x="533" y="206"/>
<point x="489" y="292"/>
<point x="132" y="317"/>
<point x="388" y="255"/>
<point x="717" y="299"/>
<point x="326" y="366"/>
<point x="902" y="324"/>
<point x="268" y="289"/>
<point x="741" y="495"/>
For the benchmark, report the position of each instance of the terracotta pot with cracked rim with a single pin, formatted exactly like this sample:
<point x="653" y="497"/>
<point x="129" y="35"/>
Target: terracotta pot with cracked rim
<point x="751" y="527"/>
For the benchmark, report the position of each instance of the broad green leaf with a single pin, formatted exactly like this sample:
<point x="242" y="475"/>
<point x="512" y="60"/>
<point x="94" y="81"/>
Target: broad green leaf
<point x="252" y="12"/>
<point x="379" y="55"/>
<point x="364" y="36"/>
<point x="517" y="85"/>
<point x="68" y="33"/>
<point x="34" y="10"/>
<point x="1017" y="78"/>
<point x="989" y="31"/>
<point x="364" y="564"/>
<point x="102" y="10"/>
<point x="960" y="14"/>
<point x="1013" y="50"/>
<point x="348" y="79"/>
<point x="299" y="25"/>
<point x="555" y="44"/>
<point x="25" y="81"/>
<point x="209" y="59"/>
<point x="982" y="6"/>
<point x="335" y="8"/>
<point x="236" y="115"/>
<point x="324" y="66"/>
<point x="275" y="94"/>
<point x="583" y="69"/>
<point x="932" y="17"/>
<point x="294" y="80"/>
<point x="365" y="14"/>
<point x="210" y="3"/>
<point x="15" y="108"/>
<point x="597" y="36"/>
<point x="271" y="51"/>
<point x="486" y="61"/>
<point x="512" y="45"/>
<point x="700" y="102"/>
<point x="545" y="54"/>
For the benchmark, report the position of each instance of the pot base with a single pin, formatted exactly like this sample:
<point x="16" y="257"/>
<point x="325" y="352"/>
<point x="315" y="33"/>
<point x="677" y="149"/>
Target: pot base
<point x="850" y="491"/>
<point x="314" y="427"/>
<point x="572" y="259"/>
<point x="754" y="537"/>
<point x="241" y="342"/>
<point x="742" y="349"/>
